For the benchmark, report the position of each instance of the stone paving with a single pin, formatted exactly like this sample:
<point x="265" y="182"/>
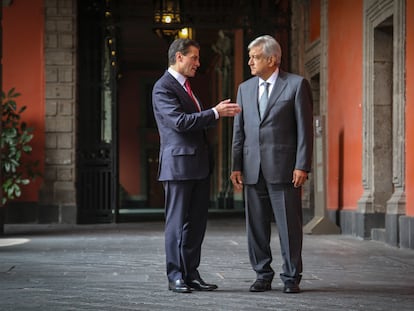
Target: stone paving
<point x="121" y="267"/>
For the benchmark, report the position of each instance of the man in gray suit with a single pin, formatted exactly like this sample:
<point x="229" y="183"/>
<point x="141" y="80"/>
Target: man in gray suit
<point x="272" y="153"/>
<point x="185" y="164"/>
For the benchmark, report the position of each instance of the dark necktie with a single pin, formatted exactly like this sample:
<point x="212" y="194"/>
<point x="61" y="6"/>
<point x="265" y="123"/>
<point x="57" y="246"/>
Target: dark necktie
<point x="190" y="92"/>
<point x="264" y="99"/>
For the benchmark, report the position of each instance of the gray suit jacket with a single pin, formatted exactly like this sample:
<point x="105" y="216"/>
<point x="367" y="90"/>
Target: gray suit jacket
<point x="184" y="149"/>
<point x="283" y="140"/>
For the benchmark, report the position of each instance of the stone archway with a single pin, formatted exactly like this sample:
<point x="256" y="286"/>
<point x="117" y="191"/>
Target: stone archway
<point x="383" y="174"/>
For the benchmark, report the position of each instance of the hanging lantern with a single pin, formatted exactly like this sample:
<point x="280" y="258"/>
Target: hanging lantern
<point x="168" y="20"/>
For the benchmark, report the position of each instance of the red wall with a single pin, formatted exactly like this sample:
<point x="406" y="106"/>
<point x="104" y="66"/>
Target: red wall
<point x="314" y="20"/>
<point x="129" y="124"/>
<point x="344" y="121"/>
<point x="23" y="68"/>
<point x="409" y="157"/>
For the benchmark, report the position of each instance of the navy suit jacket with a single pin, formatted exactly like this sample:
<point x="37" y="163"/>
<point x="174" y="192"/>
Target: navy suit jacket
<point x="184" y="150"/>
<point x="283" y="140"/>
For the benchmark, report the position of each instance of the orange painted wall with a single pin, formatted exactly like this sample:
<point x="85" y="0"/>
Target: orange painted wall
<point x="23" y="68"/>
<point x="314" y="20"/>
<point x="134" y="91"/>
<point x="344" y="111"/>
<point x="129" y="124"/>
<point x="409" y="157"/>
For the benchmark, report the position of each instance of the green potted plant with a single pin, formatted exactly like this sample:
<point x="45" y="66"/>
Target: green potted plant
<point x="15" y="138"/>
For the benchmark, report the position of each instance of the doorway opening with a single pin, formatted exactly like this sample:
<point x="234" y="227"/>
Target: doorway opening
<point x="382" y="151"/>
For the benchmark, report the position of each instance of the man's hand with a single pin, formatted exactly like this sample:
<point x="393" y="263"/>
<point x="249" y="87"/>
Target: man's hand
<point x="236" y="178"/>
<point x="227" y="109"/>
<point x="299" y="178"/>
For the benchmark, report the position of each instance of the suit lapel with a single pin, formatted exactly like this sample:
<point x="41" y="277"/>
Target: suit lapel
<point x="188" y="103"/>
<point x="253" y="98"/>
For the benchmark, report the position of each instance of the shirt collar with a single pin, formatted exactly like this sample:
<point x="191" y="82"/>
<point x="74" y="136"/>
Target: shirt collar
<point x="178" y="76"/>
<point x="272" y="78"/>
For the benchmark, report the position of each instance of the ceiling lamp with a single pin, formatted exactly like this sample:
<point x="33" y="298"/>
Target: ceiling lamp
<point x="168" y="20"/>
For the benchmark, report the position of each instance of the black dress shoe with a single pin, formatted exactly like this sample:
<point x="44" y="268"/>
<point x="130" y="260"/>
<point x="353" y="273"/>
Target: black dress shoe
<point x="291" y="288"/>
<point x="261" y="286"/>
<point x="199" y="285"/>
<point x="179" y="286"/>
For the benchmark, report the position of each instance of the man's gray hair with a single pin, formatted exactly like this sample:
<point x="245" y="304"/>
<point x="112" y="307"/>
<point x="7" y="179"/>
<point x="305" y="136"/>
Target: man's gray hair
<point x="270" y="47"/>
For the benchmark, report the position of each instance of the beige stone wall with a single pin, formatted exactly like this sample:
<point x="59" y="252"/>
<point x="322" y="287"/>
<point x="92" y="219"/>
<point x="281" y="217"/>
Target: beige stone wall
<point x="60" y="97"/>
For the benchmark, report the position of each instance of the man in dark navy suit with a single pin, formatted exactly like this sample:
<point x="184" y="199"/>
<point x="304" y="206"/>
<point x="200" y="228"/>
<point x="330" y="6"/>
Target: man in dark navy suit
<point x="185" y="164"/>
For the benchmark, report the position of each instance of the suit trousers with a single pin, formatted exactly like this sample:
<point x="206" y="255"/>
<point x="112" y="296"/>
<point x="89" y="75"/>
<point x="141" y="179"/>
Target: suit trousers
<point x="186" y="212"/>
<point x="284" y="202"/>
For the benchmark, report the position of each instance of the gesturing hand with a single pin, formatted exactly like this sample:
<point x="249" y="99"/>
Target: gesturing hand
<point x="227" y="109"/>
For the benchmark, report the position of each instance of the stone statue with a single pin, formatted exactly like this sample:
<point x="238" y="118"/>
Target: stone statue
<point x="223" y="48"/>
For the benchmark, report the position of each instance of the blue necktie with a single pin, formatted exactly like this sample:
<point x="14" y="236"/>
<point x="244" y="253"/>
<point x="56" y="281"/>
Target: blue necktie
<point x="264" y="99"/>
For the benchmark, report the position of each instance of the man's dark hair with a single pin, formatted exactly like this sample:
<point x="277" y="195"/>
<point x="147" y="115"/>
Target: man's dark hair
<point x="182" y="46"/>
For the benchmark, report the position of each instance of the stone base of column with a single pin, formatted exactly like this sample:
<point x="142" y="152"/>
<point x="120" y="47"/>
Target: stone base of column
<point x="392" y="229"/>
<point x="34" y="213"/>
<point x="406" y="225"/>
<point x="321" y="225"/>
<point x="364" y="223"/>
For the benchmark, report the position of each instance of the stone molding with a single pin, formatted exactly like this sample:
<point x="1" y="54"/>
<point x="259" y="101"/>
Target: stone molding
<point x="375" y="12"/>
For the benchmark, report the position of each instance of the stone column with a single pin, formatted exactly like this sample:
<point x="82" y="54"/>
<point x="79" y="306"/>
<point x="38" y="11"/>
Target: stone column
<point x="57" y="198"/>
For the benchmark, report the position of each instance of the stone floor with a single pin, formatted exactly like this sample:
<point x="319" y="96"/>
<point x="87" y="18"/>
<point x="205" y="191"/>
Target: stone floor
<point x="121" y="267"/>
